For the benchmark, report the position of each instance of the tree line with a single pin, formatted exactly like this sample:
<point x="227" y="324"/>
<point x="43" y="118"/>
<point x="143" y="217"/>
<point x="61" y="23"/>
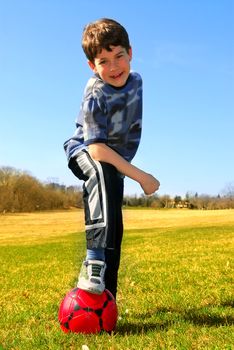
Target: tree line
<point x="21" y="192"/>
<point x="191" y="201"/>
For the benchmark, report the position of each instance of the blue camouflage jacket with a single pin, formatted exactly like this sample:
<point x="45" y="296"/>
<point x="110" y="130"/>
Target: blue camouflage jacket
<point x="109" y="115"/>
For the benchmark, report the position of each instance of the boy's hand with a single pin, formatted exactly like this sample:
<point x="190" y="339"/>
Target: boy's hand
<point x="149" y="184"/>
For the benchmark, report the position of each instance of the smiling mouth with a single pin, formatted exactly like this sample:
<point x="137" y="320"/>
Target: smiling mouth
<point x="117" y="76"/>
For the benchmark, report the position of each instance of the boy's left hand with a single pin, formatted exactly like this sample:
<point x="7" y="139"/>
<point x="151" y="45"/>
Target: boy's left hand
<point x="149" y="184"/>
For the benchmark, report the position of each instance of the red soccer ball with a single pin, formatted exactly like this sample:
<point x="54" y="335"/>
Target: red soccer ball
<point x="83" y="312"/>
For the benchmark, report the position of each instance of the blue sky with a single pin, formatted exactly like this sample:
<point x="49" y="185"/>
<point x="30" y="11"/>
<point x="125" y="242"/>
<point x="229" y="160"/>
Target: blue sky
<point x="184" y="52"/>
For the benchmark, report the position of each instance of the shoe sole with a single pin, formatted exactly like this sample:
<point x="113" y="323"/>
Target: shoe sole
<point x="90" y="289"/>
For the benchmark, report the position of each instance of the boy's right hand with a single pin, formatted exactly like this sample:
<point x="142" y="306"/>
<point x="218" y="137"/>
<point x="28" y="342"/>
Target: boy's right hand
<point x="149" y="184"/>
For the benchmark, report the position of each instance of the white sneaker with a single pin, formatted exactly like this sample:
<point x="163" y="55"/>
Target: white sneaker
<point x="91" y="276"/>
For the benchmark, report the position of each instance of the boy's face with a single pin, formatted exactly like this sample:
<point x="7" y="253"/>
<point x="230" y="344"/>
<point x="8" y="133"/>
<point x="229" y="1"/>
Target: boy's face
<point x="112" y="66"/>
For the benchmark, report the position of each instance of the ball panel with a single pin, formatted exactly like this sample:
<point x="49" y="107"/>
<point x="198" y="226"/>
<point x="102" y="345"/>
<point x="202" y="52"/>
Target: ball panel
<point x="110" y="313"/>
<point x="67" y="306"/>
<point x="84" y="322"/>
<point x="89" y="300"/>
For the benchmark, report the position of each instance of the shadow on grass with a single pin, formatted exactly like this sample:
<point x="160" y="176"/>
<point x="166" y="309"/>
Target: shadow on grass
<point x="210" y="320"/>
<point x="164" y="318"/>
<point x="141" y="328"/>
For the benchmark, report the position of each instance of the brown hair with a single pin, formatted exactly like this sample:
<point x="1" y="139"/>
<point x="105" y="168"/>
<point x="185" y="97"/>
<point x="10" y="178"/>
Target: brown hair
<point x="102" y="34"/>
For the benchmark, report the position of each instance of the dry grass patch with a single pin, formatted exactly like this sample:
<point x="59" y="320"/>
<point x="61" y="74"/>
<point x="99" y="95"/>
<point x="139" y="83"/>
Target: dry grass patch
<point x="151" y="218"/>
<point x="36" y="227"/>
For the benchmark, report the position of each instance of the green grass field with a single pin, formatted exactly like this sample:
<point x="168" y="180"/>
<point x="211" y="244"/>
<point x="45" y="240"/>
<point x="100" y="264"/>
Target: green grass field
<point x="175" y="281"/>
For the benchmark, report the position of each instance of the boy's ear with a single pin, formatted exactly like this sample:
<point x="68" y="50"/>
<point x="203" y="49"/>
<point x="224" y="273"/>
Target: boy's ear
<point x="130" y="53"/>
<point x="92" y="66"/>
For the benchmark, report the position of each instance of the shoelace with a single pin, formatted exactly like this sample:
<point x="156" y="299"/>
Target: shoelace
<point x="96" y="270"/>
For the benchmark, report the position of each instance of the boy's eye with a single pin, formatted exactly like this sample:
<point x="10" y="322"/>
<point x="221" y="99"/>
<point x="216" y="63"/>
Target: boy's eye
<point x="102" y="62"/>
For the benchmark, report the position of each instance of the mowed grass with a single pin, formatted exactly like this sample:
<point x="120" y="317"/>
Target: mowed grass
<point x="175" y="280"/>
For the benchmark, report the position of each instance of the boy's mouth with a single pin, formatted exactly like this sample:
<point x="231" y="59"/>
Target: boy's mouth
<point x="116" y="76"/>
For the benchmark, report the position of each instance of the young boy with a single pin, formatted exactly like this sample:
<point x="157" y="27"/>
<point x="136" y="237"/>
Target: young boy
<point x="107" y="136"/>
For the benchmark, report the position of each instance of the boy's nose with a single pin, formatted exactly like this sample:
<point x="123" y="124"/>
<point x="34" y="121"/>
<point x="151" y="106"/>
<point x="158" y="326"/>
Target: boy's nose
<point x="113" y="65"/>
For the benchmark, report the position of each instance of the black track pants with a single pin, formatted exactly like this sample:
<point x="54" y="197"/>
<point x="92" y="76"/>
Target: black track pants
<point x="103" y="196"/>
